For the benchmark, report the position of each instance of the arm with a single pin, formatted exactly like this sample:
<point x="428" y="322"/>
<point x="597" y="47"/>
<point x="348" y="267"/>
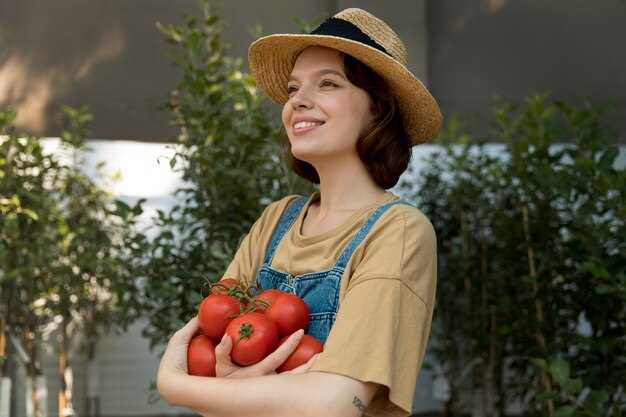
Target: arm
<point x="281" y="395"/>
<point x="308" y="394"/>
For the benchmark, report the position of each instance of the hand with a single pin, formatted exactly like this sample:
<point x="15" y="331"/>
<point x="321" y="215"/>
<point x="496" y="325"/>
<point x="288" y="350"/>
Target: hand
<point x="173" y="363"/>
<point x="225" y="368"/>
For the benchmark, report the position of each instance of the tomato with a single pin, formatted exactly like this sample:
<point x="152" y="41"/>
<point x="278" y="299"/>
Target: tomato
<point x="307" y="347"/>
<point x="215" y="312"/>
<point x="289" y="312"/>
<point x="253" y="336"/>
<point x="201" y="356"/>
<point x="228" y="282"/>
<point x="269" y="296"/>
<point x="232" y="287"/>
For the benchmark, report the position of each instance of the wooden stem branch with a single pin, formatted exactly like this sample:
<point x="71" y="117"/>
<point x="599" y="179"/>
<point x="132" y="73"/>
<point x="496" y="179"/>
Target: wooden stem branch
<point x="539" y="337"/>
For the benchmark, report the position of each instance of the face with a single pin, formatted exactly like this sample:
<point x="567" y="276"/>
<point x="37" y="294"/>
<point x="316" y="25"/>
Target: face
<point x="335" y="111"/>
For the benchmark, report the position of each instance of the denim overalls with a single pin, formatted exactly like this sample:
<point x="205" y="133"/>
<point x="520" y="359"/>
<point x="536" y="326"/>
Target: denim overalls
<point x="320" y="290"/>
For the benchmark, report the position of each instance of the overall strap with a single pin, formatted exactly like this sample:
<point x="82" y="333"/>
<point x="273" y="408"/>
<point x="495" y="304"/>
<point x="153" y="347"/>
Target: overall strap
<point x="288" y="217"/>
<point x="356" y="240"/>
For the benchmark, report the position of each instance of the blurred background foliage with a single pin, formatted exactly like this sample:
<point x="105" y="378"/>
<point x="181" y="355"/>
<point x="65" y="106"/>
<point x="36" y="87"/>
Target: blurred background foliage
<point x="69" y="252"/>
<point x="230" y="156"/>
<point x="531" y="301"/>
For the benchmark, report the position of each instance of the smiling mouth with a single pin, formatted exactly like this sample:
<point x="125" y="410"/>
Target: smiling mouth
<point x="307" y="128"/>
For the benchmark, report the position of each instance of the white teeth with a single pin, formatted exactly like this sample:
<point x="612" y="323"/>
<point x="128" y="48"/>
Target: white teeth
<point x="302" y="125"/>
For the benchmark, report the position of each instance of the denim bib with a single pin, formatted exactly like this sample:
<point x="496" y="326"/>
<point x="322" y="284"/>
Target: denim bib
<point x="319" y="290"/>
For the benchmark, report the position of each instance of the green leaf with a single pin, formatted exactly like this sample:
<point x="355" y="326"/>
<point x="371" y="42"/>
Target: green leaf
<point x="608" y="157"/>
<point x="138" y="209"/>
<point x="594" y="402"/>
<point x="603" y="289"/>
<point x="544" y="396"/>
<point x="122" y="208"/>
<point x="572" y="386"/>
<point x="596" y="268"/>
<point x="564" y="411"/>
<point x="30" y="213"/>
<point x="559" y="368"/>
<point x="540" y="363"/>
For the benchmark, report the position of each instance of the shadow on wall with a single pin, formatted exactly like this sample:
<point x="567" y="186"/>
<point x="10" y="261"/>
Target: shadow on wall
<point x="111" y="56"/>
<point x="63" y="52"/>
<point x="460" y="21"/>
<point x="32" y="77"/>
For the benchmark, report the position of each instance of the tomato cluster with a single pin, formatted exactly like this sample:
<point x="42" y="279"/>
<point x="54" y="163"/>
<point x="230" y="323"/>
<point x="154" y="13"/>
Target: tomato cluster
<point x="256" y="324"/>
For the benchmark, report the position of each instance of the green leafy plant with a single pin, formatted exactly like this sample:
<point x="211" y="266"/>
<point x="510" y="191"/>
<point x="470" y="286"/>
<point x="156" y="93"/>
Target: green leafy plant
<point x="230" y="157"/>
<point x="68" y="249"/>
<point x="532" y="259"/>
<point x="571" y="399"/>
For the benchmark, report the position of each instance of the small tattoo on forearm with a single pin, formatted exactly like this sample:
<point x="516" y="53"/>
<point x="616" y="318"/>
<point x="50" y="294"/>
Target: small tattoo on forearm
<point x="358" y="404"/>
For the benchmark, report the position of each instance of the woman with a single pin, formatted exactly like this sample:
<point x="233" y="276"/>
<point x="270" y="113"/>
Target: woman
<point x="362" y="258"/>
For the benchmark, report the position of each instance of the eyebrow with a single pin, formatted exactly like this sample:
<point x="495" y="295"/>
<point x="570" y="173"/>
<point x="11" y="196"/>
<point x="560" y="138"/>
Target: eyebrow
<point x="321" y="72"/>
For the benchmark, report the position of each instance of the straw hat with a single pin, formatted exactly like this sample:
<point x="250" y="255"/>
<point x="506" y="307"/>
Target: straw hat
<point x="367" y="38"/>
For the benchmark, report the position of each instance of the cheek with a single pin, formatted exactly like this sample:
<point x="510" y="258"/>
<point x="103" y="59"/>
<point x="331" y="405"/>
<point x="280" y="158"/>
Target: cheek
<point x="286" y="115"/>
<point x="367" y="118"/>
<point x="359" y="118"/>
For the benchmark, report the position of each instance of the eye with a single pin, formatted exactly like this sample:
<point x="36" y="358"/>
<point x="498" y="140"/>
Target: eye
<point x="291" y="89"/>
<point x="328" y="82"/>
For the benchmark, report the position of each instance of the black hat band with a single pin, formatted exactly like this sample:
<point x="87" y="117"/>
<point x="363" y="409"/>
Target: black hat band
<point x="344" y="29"/>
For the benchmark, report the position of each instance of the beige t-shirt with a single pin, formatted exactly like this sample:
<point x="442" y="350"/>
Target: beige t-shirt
<point x="386" y="297"/>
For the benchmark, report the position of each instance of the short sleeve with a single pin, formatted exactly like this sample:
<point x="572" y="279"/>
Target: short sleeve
<point x="383" y="324"/>
<point x="241" y="266"/>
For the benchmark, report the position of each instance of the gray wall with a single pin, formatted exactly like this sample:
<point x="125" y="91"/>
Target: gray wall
<point x="573" y="48"/>
<point x="110" y="56"/>
<point x="124" y="369"/>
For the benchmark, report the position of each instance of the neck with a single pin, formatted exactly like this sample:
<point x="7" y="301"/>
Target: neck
<point x="346" y="187"/>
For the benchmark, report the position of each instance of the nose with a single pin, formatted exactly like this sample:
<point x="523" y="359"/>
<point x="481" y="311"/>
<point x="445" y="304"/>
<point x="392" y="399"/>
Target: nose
<point x="300" y="99"/>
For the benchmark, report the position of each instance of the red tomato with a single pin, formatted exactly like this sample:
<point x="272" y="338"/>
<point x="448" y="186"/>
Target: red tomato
<point x="269" y="296"/>
<point x="227" y="286"/>
<point x="253" y="336"/>
<point x="307" y="347"/>
<point x="215" y="312"/>
<point x="201" y="356"/>
<point x="290" y="313"/>
<point x="228" y="282"/>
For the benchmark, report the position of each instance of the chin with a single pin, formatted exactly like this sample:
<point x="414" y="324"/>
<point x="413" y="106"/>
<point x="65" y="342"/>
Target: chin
<point x="306" y="154"/>
<point x="308" y="148"/>
<point x="303" y="155"/>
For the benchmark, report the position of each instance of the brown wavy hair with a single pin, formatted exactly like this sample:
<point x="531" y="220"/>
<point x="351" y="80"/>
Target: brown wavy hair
<point x="386" y="149"/>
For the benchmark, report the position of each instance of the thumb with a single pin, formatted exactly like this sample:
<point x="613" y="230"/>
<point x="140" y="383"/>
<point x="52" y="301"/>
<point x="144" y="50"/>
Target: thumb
<point x="222" y="350"/>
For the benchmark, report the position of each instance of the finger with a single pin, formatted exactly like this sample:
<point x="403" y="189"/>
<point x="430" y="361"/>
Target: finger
<point x="276" y="358"/>
<point x="305" y="366"/>
<point x="222" y="350"/>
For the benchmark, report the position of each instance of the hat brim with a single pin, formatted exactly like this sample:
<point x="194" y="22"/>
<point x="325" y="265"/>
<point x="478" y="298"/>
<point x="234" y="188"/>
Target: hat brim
<point x="272" y="57"/>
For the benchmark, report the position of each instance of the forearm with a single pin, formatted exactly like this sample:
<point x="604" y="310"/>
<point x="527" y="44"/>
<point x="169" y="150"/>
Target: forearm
<point x="279" y="395"/>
